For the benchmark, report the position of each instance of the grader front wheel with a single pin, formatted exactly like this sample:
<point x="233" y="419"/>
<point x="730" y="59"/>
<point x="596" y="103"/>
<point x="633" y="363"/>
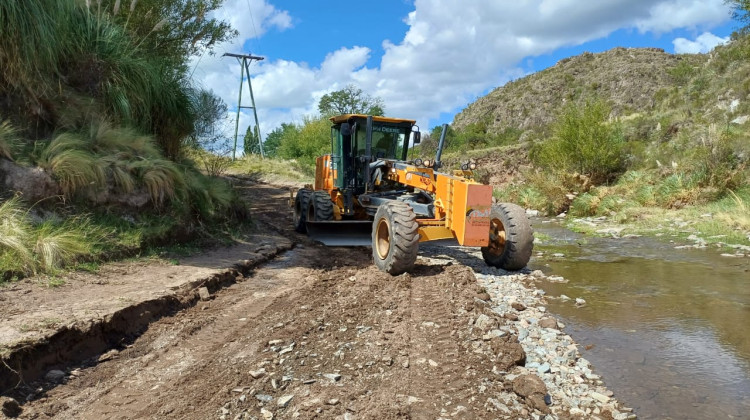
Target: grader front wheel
<point x="320" y="208"/>
<point x="511" y="238"/>
<point x="300" y="209"/>
<point x="395" y="238"/>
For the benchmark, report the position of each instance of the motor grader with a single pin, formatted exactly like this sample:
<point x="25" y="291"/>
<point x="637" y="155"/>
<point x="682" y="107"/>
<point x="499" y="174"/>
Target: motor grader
<point x="369" y="192"/>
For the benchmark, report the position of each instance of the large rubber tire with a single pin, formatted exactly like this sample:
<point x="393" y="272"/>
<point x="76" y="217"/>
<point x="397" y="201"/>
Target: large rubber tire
<point x="511" y="238"/>
<point x="395" y="237"/>
<point x="300" y="209"/>
<point x="320" y="207"/>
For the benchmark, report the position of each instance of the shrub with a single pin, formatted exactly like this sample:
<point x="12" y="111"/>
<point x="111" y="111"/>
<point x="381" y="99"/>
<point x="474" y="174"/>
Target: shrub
<point x="584" y="142"/>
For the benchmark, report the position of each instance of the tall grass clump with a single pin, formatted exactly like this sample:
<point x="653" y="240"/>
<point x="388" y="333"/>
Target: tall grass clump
<point x="71" y="162"/>
<point x="9" y="140"/>
<point x="63" y="243"/>
<point x="60" y="52"/>
<point x="15" y="233"/>
<point x="584" y="142"/>
<point x="27" y="248"/>
<point x="207" y="196"/>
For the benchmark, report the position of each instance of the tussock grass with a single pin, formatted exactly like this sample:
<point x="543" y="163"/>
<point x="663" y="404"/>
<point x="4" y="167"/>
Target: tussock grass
<point x="9" y="140"/>
<point x="162" y="178"/>
<point x="75" y="167"/>
<point x="61" y="50"/>
<point x="27" y="248"/>
<point x="15" y="233"/>
<point x="59" y="244"/>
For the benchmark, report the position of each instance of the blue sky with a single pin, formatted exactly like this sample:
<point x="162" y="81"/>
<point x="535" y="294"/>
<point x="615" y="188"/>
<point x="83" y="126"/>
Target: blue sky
<point x="428" y="59"/>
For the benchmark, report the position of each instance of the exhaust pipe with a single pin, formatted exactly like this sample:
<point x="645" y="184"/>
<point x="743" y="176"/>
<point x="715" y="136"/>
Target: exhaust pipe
<point x="441" y="143"/>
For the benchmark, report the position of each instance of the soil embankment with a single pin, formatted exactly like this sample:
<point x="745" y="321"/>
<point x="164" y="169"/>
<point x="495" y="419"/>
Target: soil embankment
<point x="320" y="333"/>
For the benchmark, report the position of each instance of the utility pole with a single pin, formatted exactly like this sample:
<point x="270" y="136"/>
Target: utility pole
<point x="245" y="60"/>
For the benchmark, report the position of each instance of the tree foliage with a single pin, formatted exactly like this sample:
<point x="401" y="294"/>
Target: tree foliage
<point x="307" y="141"/>
<point x="350" y="100"/>
<point x="251" y="143"/>
<point x="584" y="142"/>
<point x="740" y="11"/>
<point x="274" y="138"/>
<point x="173" y="29"/>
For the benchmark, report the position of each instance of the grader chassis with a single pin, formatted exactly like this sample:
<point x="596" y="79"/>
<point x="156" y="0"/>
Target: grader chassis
<point x="367" y="192"/>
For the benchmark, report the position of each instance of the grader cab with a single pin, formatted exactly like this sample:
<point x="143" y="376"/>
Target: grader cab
<point x="368" y="192"/>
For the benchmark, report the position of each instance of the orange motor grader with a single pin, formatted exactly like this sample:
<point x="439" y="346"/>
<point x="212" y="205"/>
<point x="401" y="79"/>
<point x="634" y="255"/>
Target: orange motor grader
<point x="367" y="192"/>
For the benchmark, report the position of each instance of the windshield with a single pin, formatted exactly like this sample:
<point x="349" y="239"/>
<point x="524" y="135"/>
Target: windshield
<point x="387" y="141"/>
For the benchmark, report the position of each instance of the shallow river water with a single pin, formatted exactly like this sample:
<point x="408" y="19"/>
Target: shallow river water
<point x="669" y="329"/>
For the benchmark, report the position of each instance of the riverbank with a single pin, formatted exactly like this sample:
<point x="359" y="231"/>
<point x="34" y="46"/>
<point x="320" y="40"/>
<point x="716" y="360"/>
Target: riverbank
<point x="573" y="387"/>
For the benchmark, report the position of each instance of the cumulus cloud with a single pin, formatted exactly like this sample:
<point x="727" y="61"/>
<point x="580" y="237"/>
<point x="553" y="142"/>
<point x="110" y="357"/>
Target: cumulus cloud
<point x="451" y="53"/>
<point x="702" y="44"/>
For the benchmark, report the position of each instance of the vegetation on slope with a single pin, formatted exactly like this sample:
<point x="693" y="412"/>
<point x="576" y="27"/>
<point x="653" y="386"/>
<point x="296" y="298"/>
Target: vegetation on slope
<point x="672" y="137"/>
<point x="95" y="100"/>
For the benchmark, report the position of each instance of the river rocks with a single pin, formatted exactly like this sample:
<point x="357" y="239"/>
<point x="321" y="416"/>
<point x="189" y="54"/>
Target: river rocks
<point x="518" y="306"/>
<point x="548" y="323"/>
<point x="485" y="323"/>
<point x="533" y="390"/>
<point x="551" y="356"/>
<point x="509" y="352"/>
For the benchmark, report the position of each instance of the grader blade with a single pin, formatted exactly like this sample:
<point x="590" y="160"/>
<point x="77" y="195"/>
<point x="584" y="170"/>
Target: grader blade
<point x="341" y="233"/>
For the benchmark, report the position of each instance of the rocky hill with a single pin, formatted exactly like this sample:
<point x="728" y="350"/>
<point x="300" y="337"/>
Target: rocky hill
<point x="629" y="78"/>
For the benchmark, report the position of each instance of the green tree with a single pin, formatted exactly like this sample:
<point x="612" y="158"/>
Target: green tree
<point x="275" y="137"/>
<point x="350" y="100"/>
<point x="307" y="141"/>
<point x="210" y="114"/>
<point x="173" y="29"/>
<point x="251" y="144"/>
<point x="740" y="11"/>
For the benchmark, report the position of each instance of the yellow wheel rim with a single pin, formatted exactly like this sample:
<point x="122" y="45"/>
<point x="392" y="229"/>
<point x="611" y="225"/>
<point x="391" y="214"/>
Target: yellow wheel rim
<point x="382" y="239"/>
<point x="497" y="237"/>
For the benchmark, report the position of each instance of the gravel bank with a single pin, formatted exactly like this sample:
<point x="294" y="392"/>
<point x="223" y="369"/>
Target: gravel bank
<point x="574" y="389"/>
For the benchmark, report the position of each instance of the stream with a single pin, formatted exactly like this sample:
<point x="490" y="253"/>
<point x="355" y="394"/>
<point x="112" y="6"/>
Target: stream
<point x="667" y="328"/>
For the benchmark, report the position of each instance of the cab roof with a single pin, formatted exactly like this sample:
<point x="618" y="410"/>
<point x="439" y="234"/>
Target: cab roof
<point x="338" y="119"/>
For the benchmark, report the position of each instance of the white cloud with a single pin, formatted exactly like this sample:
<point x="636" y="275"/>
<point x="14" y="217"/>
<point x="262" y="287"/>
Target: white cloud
<point x="702" y="44"/>
<point x="451" y="53"/>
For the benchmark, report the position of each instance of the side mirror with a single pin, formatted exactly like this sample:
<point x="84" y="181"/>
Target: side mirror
<point x="417" y="137"/>
<point x="346" y="129"/>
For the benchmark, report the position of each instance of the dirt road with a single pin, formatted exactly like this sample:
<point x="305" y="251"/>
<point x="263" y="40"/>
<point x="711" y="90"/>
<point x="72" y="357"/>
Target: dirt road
<point x="316" y="333"/>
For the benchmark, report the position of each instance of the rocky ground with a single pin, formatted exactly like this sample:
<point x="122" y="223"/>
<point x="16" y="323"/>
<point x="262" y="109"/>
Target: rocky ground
<point x="320" y="333"/>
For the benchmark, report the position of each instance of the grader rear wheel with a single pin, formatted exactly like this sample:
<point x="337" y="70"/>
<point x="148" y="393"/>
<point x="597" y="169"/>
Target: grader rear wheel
<point x="300" y="209"/>
<point x="511" y="238"/>
<point x="395" y="238"/>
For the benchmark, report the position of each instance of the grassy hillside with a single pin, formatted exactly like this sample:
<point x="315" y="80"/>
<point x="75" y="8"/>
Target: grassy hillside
<point x="625" y="131"/>
<point x="628" y="77"/>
